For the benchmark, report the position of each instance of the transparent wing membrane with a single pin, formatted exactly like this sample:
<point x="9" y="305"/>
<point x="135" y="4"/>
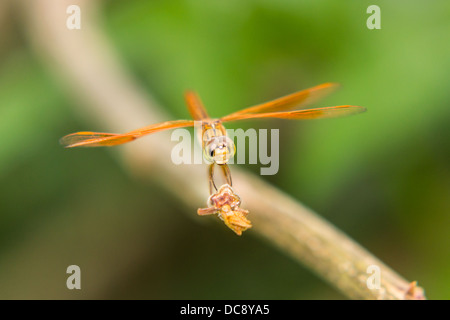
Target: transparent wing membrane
<point x="292" y="101"/>
<point x="101" y="139"/>
<point x="318" y="113"/>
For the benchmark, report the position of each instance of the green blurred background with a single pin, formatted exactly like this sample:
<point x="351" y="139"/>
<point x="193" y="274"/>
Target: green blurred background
<point x="382" y="177"/>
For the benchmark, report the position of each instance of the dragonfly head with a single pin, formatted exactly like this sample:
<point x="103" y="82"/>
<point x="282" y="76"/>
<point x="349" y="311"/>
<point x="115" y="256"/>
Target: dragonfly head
<point x="219" y="150"/>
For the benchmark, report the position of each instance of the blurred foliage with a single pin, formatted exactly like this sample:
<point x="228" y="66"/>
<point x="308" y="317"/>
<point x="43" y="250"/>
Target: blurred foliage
<point x="383" y="177"/>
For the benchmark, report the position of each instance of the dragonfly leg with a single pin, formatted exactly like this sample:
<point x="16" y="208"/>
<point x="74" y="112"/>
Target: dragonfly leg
<point x="226" y="173"/>
<point x="212" y="185"/>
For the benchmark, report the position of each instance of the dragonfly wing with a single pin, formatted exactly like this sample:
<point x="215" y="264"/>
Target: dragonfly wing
<point x="195" y="106"/>
<point x="317" y="113"/>
<point x="93" y="139"/>
<point x="101" y="139"/>
<point x="161" y="126"/>
<point x="292" y="101"/>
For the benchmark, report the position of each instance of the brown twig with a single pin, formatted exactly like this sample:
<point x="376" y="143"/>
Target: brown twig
<point x="86" y="61"/>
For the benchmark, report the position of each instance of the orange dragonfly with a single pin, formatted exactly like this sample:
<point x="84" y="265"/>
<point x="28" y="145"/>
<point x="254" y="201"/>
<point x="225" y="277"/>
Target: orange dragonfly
<point x="217" y="147"/>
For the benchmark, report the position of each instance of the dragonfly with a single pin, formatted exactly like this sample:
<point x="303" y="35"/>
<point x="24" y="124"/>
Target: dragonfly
<point x="217" y="147"/>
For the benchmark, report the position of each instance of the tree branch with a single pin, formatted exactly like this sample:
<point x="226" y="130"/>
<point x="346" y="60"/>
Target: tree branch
<point x="108" y="94"/>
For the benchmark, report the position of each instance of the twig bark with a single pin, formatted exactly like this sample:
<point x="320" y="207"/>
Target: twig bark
<point x="108" y="94"/>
